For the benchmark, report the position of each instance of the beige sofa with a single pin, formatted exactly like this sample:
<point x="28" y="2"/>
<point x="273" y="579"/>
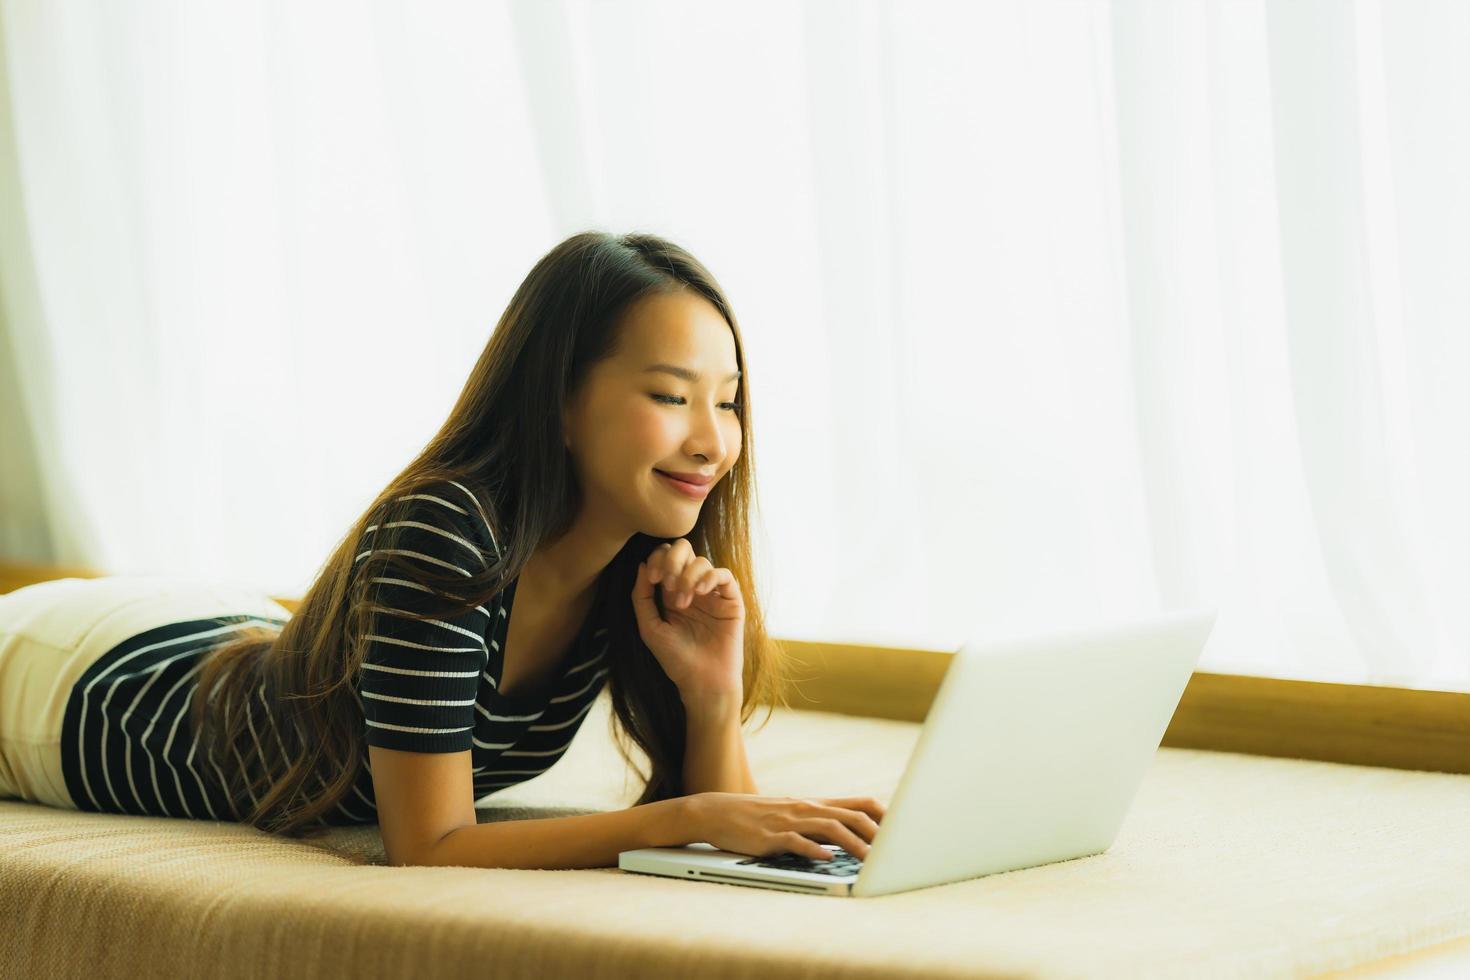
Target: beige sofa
<point x="1228" y="865"/>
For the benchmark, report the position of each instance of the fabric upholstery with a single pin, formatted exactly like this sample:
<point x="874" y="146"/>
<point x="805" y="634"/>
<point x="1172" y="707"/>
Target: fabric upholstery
<point x="1228" y="865"/>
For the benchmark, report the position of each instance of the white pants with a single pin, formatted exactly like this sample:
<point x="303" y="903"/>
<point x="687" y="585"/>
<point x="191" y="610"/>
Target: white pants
<point x="52" y="631"/>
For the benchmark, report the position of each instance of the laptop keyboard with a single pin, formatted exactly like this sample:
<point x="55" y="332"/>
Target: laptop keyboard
<point x="841" y="864"/>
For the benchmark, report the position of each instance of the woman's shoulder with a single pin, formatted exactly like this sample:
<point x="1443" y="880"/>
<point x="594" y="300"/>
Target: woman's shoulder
<point x="455" y="505"/>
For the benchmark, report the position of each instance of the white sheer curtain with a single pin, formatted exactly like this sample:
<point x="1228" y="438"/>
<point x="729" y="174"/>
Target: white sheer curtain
<point x="1055" y="312"/>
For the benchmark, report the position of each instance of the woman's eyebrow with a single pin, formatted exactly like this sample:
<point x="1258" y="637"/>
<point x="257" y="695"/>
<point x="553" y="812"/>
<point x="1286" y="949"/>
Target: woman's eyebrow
<point x="683" y="372"/>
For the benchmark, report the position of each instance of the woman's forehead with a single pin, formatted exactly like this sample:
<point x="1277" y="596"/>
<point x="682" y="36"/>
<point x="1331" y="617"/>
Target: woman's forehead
<point x="677" y="341"/>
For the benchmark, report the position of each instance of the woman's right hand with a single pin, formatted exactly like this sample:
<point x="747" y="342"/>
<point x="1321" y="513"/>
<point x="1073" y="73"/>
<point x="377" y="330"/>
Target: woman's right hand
<point x="763" y="826"/>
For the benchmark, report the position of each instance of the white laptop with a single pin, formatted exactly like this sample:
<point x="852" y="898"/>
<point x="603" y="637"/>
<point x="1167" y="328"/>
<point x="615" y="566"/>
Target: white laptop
<point x="1031" y="754"/>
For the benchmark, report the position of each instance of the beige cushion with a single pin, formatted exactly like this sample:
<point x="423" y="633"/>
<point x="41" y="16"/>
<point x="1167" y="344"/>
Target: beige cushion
<point x="1227" y="865"/>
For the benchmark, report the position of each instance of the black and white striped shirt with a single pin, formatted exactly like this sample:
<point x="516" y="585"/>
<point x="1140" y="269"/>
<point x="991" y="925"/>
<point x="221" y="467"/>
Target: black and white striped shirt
<point x="430" y="686"/>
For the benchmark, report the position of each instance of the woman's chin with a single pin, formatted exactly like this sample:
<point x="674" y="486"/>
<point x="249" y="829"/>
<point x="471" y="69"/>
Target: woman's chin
<point x="672" y="522"/>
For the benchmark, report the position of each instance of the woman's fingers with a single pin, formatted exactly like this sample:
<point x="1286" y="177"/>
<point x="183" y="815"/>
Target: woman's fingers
<point x="681" y="584"/>
<point x="660" y="562"/>
<point x="795" y="843"/>
<point x="683" y="575"/>
<point x="859" y="822"/>
<point x="835" y="831"/>
<point x="866" y="804"/>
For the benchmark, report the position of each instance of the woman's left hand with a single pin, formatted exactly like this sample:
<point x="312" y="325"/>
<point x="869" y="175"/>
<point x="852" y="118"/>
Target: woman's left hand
<point x="699" y="641"/>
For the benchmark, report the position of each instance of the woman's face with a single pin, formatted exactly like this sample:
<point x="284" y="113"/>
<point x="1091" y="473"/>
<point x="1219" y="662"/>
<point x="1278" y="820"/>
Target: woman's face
<point x="635" y="416"/>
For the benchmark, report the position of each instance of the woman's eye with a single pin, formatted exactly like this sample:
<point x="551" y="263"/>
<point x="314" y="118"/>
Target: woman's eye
<point x="679" y="400"/>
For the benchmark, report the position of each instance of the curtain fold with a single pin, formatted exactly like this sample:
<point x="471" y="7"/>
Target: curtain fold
<point x="1055" y="313"/>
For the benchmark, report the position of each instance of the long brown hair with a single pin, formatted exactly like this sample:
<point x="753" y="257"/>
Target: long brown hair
<point x="502" y="440"/>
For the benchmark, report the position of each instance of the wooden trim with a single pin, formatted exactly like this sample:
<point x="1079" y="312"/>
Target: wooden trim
<point x="1366" y="725"/>
<point x="14" y="574"/>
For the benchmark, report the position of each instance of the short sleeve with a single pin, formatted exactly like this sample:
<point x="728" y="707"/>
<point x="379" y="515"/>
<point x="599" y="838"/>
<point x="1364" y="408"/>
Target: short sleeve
<point x="419" y="679"/>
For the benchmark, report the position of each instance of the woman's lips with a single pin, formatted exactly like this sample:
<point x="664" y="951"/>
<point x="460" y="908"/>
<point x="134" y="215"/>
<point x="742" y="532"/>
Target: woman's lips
<point x="687" y="489"/>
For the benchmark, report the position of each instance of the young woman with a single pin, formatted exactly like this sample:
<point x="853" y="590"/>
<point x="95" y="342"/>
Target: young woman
<point x="579" y="520"/>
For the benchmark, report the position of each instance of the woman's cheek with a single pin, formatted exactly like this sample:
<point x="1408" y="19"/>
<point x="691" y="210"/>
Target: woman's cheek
<point x="651" y="431"/>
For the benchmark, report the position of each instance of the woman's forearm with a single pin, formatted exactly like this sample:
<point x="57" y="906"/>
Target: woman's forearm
<point x="589" y="840"/>
<point x="714" y="748"/>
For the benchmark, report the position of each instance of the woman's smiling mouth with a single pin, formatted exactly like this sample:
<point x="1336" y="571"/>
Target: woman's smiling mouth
<point x="692" y="490"/>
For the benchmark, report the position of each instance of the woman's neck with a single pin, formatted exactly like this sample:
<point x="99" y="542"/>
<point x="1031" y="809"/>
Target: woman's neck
<point x="568" y="569"/>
